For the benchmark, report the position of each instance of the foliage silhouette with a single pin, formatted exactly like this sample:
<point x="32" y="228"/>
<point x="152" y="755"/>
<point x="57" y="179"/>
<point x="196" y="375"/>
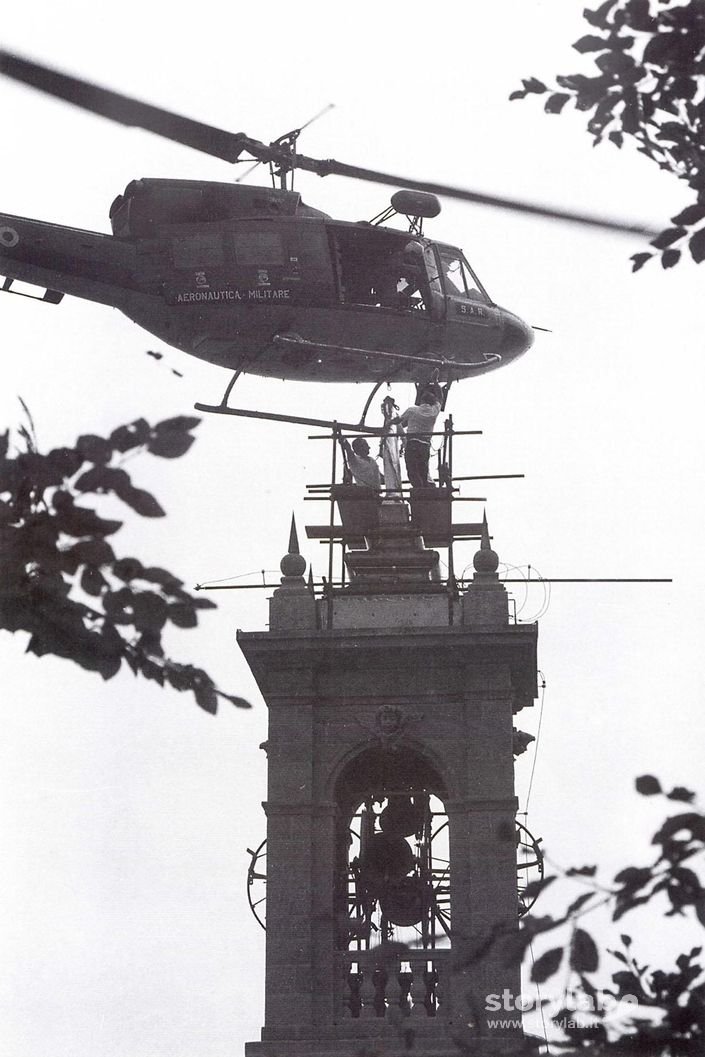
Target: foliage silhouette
<point x="62" y="581"/>
<point x="648" y="87"/>
<point x="652" y="1012"/>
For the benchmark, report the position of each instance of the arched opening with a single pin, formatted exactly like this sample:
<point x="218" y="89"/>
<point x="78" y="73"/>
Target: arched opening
<point x="392" y="853"/>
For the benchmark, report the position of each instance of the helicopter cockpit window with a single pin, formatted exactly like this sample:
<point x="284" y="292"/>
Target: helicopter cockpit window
<point x="458" y="279"/>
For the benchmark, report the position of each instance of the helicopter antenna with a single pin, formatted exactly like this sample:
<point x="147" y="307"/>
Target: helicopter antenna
<point x="330" y="106"/>
<point x="288" y="140"/>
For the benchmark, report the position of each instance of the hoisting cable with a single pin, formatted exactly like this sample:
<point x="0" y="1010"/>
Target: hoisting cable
<point x="540" y="1000"/>
<point x="538" y="736"/>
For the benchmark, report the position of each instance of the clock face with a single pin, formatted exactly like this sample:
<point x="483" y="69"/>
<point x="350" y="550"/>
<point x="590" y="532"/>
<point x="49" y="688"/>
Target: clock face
<point x="529" y="868"/>
<point x="257" y="883"/>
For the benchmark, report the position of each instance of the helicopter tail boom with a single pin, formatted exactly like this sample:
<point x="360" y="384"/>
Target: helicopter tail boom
<point x="67" y="260"/>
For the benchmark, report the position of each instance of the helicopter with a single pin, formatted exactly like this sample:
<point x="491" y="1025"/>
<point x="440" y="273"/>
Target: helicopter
<point x="252" y="279"/>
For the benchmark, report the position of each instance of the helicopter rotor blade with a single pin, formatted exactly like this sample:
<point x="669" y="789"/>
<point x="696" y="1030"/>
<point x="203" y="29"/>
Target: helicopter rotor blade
<point x="124" y="109"/>
<point x="230" y="145"/>
<point x="332" y="167"/>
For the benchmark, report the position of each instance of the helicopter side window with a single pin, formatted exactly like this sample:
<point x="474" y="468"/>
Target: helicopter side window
<point x="258" y="249"/>
<point x="196" y="250"/>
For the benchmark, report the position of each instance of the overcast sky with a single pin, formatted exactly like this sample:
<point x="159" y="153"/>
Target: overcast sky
<point x="127" y="809"/>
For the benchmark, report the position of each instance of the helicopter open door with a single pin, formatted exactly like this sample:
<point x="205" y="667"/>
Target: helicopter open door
<point x="385" y="270"/>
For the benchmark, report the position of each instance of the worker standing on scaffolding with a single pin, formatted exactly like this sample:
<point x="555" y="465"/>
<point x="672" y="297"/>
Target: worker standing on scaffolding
<point x="363" y="467"/>
<point x="418" y="421"/>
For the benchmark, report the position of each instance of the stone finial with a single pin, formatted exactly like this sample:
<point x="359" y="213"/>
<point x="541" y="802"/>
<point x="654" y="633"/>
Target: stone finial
<point x="293" y="564"/>
<point x="293" y="605"/>
<point x="485" y="600"/>
<point x="485" y="561"/>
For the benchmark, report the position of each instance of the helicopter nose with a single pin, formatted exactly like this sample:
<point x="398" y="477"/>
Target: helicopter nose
<point x="517" y="336"/>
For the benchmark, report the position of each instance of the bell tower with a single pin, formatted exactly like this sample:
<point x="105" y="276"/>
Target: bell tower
<point x="391" y="844"/>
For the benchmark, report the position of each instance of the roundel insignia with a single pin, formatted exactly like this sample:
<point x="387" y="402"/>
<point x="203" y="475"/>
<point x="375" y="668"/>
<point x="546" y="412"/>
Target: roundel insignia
<point x="8" y="237"/>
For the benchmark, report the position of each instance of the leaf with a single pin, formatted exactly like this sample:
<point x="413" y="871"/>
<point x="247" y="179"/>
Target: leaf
<point x="672" y="132"/>
<point x="92" y="581"/>
<point x="700" y="910"/>
<point x="590" y="43"/>
<point x="690" y="215"/>
<point x="647" y="785"/>
<point x="206" y="698"/>
<point x="127" y="569"/>
<point x="183" y="615"/>
<point x="627" y="982"/>
<point x="633" y="877"/>
<point x="118" y="605"/>
<point x="150" y="611"/>
<point x="534" y="85"/>
<point x="81" y="521"/>
<point x="583" y="952"/>
<point x="239" y="702"/>
<point x="133" y="435"/>
<point x="640" y="260"/>
<point x="631" y="118"/>
<point x="93" y="448"/>
<point x="669" y="258"/>
<point x="598" y="17"/>
<point x="638" y="16"/>
<point x="581" y="871"/>
<point x="696" y="246"/>
<point x="680" y="793"/>
<point x="618" y="955"/>
<point x="535" y="887"/>
<point x="104" y="479"/>
<point x="626" y="940"/>
<point x="142" y="502"/>
<point x="204" y="603"/>
<point x="685" y="888"/>
<point x="180" y="423"/>
<point x="546" y="965"/>
<point x="689" y="820"/>
<point x="628" y="904"/>
<point x="91" y="552"/>
<point x="579" y="902"/>
<point x="150" y="670"/>
<point x="618" y="139"/>
<point x="170" y="445"/>
<point x="615" y="63"/>
<point x="161" y="576"/>
<point x="665" y="238"/>
<point x="661" y="49"/>
<point x="555" y="103"/>
<point x="66" y="461"/>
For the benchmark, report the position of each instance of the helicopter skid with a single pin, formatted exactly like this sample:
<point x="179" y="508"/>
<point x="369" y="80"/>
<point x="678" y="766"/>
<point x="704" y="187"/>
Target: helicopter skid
<point x="297" y="420"/>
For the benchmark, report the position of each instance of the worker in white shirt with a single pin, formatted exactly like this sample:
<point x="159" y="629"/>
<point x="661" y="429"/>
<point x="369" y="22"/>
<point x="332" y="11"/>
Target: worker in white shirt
<point x="418" y="421"/>
<point x="364" y="468"/>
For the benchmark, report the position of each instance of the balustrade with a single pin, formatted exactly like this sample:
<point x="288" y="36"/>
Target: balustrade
<point x="378" y="983"/>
